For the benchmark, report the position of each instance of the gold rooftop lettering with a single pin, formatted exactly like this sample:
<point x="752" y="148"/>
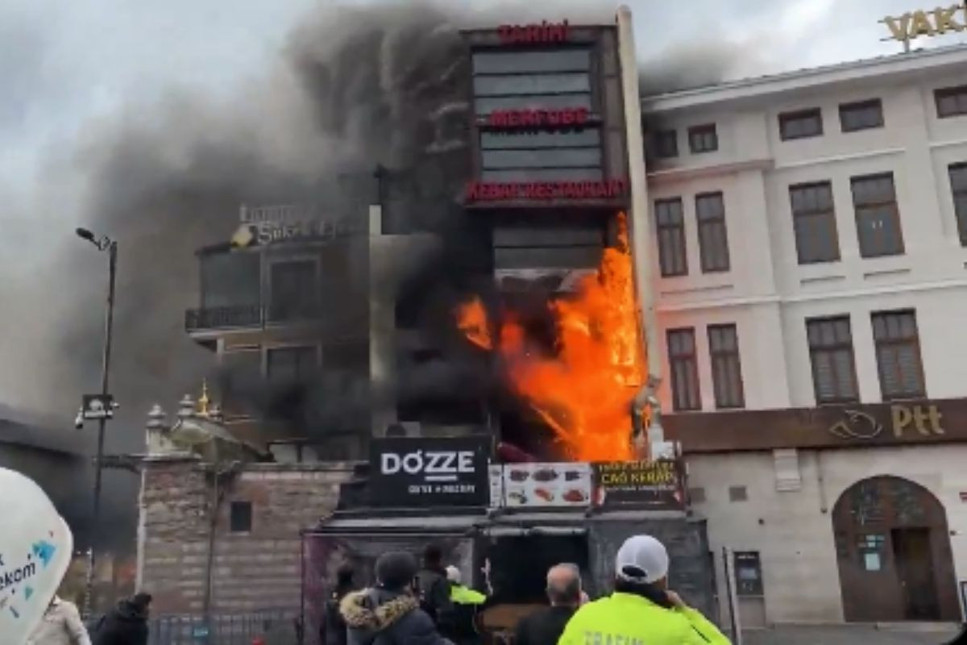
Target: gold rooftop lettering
<point x="933" y="22"/>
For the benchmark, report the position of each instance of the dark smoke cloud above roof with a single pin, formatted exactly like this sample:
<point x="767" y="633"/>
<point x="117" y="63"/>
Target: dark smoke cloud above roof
<point x="350" y="88"/>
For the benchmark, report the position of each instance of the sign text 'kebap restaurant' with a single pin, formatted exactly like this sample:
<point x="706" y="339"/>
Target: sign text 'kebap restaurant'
<point x="544" y="132"/>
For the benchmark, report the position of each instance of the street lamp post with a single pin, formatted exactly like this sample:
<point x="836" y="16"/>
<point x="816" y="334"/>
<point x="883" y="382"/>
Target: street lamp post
<point x="109" y="245"/>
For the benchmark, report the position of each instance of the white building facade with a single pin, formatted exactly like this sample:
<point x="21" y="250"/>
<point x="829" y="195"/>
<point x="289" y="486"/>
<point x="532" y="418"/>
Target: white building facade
<point x="810" y="245"/>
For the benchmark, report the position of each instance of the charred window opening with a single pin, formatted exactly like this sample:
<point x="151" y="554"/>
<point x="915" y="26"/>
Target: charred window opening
<point x="240" y="381"/>
<point x="435" y="391"/>
<point x="519" y="564"/>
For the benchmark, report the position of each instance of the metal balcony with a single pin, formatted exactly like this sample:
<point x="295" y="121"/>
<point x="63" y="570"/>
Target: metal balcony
<point x="251" y="316"/>
<point x="232" y="317"/>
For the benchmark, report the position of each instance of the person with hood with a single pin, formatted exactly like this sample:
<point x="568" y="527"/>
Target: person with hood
<point x="61" y="625"/>
<point x="434" y="588"/>
<point x="333" y="626"/>
<point x="126" y="624"/>
<point x="642" y="609"/>
<point x="389" y="613"/>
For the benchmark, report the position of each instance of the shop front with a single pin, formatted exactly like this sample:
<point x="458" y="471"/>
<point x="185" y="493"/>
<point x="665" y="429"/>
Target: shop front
<point x="855" y="514"/>
<point x="520" y="518"/>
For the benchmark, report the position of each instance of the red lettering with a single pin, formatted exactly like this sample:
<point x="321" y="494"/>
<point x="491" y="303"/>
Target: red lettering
<point x="544" y="32"/>
<point x="486" y="191"/>
<point x="538" y="118"/>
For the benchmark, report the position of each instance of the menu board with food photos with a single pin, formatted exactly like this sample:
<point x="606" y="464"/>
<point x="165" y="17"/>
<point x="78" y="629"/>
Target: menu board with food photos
<point x="554" y="484"/>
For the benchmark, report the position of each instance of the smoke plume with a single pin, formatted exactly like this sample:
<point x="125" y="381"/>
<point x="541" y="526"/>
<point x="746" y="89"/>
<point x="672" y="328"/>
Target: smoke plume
<point x="357" y="87"/>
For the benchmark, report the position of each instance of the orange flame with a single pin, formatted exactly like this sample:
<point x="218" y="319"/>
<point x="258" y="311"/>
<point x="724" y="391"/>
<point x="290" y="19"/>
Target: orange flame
<point x="584" y="393"/>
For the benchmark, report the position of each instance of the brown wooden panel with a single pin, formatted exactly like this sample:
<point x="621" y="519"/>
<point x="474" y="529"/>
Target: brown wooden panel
<point x="850" y="426"/>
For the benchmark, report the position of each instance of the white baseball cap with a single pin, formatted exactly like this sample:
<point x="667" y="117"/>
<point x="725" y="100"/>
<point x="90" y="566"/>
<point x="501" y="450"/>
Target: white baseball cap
<point x="453" y="574"/>
<point x="641" y="558"/>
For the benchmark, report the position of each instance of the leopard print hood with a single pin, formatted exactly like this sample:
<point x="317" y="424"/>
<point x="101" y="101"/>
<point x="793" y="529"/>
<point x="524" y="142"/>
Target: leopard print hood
<point x="362" y="610"/>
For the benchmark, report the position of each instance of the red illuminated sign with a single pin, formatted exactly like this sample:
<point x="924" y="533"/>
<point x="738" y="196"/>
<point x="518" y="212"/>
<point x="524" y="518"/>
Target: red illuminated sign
<point x="543" y="33"/>
<point x="537" y="118"/>
<point x="480" y="191"/>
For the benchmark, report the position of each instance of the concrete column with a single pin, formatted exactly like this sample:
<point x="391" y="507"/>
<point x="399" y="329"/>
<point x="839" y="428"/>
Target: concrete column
<point x="639" y="216"/>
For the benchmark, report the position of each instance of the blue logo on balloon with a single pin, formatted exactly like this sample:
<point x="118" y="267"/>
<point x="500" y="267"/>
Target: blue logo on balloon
<point x="44" y="551"/>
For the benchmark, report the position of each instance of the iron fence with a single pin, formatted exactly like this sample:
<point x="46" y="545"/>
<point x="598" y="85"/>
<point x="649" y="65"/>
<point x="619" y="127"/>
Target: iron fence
<point x="276" y="627"/>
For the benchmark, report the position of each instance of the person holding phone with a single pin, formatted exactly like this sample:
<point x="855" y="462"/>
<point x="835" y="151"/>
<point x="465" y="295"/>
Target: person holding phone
<point x="642" y="609"/>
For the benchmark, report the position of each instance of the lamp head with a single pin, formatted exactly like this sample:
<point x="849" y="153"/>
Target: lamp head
<point x="85" y="234"/>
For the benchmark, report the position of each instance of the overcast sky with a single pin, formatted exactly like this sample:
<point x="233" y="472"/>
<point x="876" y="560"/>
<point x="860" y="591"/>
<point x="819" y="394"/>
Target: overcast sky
<point x="63" y="64"/>
<point x="67" y="67"/>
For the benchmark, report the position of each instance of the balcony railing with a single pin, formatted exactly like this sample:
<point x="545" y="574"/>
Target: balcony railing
<point x="249" y="316"/>
<point x="231" y="317"/>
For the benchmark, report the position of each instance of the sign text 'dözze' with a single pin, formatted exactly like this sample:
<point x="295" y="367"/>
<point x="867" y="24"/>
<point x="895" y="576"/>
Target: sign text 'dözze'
<point x="438" y="466"/>
<point x="934" y="22"/>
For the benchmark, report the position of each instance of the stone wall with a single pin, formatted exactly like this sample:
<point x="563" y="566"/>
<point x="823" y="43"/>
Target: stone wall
<point x="256" y="569"/>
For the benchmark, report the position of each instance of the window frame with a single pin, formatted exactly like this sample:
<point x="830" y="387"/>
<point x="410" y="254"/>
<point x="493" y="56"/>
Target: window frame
<point x="705" y="224"/>
<point x="957" y="91"/>
<point x="691" y="367"/>
<point x="666" y="136"/>
<point x="894" y="209"/>
<point x="313" y="303"/>
<point x="888" y="343"/>
<point x="831" y="349"/>
<point x="960" y="217"/>
<point x="249" y="512"/>
<point x="676" y="232"/>
<point x="830" y="215"/>
<point x="718" y="355"/>
<point x="519" y="66"/>
<point x="861" y="105"/>
<point x="314" y="348"/>
<point x="695" y="134"/>
<point x="787" y="118"/>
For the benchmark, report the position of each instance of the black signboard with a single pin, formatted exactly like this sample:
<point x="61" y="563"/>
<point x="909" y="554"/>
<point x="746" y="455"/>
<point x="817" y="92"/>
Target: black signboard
<point x="651" y="484"/>
<point x="430" y="471"/>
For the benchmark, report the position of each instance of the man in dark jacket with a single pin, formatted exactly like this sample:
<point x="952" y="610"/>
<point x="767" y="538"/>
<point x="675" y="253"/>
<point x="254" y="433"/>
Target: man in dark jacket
<point x="433" y="585"/>
<point x="544" y="627"/>
<point x="333" y="626"/>
<point x="126" y="624"/>
<point x="389" y="614"/>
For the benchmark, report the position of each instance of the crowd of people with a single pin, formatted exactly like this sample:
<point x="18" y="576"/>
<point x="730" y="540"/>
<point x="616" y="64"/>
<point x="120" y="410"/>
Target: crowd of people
<point x="125" y="624"/>
<point x="410" y="605"/>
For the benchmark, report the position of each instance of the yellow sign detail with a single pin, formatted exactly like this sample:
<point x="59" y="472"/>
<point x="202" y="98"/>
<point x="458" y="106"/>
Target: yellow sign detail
<point x="936" y="22"/>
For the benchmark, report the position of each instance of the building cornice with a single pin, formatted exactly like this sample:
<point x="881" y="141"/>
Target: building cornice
<point x="922" y="63"/>
<point x="675" y="175"/>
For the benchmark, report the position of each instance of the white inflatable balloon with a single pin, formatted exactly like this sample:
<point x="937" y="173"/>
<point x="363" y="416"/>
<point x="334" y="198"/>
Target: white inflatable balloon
<point x="35" y="552"/>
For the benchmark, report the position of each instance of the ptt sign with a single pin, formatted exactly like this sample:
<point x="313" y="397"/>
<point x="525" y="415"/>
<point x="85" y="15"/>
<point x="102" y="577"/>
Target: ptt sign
<point x="935" y="22"/>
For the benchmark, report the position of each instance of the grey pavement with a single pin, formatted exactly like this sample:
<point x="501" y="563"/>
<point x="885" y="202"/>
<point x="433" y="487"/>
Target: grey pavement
<point x="929" y="634"/>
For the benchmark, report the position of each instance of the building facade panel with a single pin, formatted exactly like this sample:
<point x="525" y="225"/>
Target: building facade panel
<point x="793" y="530"/>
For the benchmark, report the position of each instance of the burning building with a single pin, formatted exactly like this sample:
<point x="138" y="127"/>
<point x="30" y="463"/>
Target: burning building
<point x="464" y="335"/>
